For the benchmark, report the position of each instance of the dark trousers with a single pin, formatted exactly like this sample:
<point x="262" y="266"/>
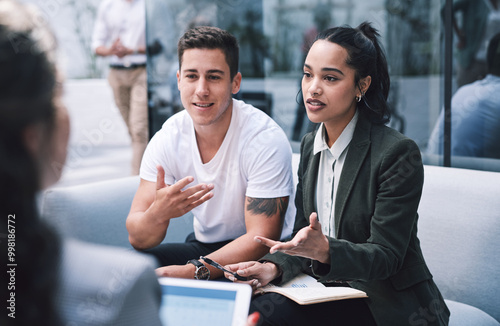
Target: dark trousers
<point x="276" y="309"/>
<point x="179" y="253"/>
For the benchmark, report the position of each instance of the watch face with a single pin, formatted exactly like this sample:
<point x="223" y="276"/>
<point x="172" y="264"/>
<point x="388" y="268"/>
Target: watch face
<point x="202" y="273"/>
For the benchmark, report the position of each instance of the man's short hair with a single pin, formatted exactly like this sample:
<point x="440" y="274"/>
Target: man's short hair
<point x="493" y="55"/>
<point x="207" y="37"/>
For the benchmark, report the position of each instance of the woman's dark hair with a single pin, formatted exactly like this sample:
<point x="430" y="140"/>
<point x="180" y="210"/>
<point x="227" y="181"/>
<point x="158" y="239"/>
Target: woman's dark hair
<point x="208" y="37"/>
<point x="366" y="56"/>
<point x="27" y="83"/>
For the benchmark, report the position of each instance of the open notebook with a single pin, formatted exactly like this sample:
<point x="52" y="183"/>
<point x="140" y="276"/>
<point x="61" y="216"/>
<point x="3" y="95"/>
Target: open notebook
<point x="193" y="302"/>
<point x="305" y="290"/>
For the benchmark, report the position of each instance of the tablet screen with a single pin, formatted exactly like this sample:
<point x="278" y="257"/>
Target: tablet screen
<point x="187" y="302"/>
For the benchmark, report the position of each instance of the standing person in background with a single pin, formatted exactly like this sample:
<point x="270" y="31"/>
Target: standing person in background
<point x="359" y="187"/>
<point x="471" y="31"/>
<point x="492" y="27"/>
<point x="119" y="33"/>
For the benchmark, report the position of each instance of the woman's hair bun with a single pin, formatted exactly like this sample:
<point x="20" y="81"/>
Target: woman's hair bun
<point x="368" y="30"/>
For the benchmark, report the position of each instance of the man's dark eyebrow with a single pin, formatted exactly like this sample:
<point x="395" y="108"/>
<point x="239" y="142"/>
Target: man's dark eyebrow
<point x="326" y="69"/>
<point x="216" y="71"/>
<point x="211" y="71"/>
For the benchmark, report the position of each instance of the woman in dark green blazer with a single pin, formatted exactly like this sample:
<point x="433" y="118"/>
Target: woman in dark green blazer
<point x="359" y="188"/>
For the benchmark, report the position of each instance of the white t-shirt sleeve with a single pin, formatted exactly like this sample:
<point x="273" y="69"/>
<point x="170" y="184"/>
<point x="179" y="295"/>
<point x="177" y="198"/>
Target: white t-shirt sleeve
<point x="268" y="164"/>
<point x="154" y="155"/>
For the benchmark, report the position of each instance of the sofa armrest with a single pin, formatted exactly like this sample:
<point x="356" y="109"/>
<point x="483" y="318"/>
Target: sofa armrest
<point x="459" y="223"/>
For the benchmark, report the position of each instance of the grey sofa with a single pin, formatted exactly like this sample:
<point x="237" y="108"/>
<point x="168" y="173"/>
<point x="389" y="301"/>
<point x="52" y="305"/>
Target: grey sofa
<point x="459" y="226"/>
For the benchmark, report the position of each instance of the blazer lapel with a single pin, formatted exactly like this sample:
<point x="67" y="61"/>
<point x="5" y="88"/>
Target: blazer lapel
<point x="355" y="156"/>
<point x="308" y="190"/>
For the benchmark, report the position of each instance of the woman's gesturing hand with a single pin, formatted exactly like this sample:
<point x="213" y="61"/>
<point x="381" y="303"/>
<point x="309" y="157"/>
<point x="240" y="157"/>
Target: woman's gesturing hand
<point x="309" y="242"/>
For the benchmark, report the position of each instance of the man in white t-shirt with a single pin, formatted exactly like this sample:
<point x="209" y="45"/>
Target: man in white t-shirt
<point x="222" y="159"/>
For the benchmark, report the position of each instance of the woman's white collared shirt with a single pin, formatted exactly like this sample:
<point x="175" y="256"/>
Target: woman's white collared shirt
<point x="330" y="168"/>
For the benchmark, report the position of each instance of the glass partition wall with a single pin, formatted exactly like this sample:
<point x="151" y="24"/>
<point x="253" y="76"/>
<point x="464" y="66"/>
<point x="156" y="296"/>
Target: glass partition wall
<point x="273" y="37"/>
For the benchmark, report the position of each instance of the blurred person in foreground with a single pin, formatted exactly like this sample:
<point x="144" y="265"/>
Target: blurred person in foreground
<point x="58" y="281"/>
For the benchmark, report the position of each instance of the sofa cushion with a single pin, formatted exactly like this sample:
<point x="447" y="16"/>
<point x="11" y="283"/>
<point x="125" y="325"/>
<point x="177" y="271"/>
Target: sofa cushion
<point x="465" y="315"/>
<point x="458" y="227"/>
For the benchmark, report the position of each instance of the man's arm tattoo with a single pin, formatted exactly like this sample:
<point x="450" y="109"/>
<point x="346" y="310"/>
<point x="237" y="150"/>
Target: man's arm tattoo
<point x="268" y="206"/>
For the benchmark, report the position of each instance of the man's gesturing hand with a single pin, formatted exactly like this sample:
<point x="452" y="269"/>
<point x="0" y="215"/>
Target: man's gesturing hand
<point x="173" y="202"/>
<point x="309" y="242"/>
